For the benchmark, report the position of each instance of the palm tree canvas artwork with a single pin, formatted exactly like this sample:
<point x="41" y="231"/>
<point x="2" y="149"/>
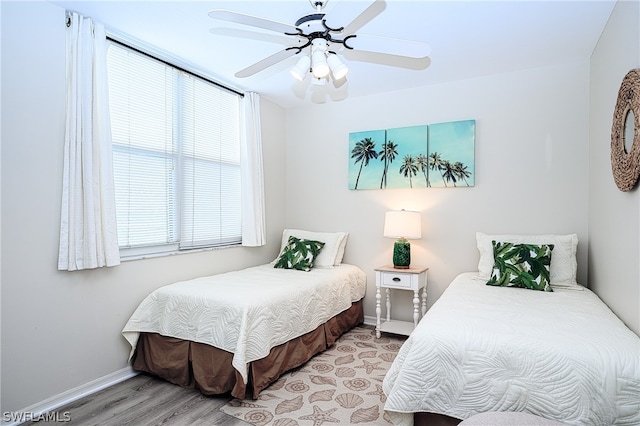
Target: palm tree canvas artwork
<point x="379" y="158"/>
<point x="452" y="154"/>
<point x="436" y="155"/>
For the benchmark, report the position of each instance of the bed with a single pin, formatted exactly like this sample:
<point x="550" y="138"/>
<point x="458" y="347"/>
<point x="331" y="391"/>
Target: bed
<point x="560" y="354"/>
<point x="237" y="332"/>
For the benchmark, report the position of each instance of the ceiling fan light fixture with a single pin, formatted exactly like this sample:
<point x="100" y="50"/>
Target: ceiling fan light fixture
<point x="318" y="81"/>
<point x="301" y="68"/>
<point x="319" y="66"/>
<point x="338" y="68"/>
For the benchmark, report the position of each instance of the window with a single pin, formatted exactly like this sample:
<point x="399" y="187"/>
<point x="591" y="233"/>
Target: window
<point x="176" y="154"/>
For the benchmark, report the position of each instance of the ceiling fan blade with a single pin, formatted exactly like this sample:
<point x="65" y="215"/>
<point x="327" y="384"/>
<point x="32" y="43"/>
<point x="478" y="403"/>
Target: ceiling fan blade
<point x="254" y="21"/>
<point x="353" y="15"/>
<point x="255" y="35"/>
<point x="265" y="63"/>
<point x="385" y="59"/>
<point x="389" y="46"/>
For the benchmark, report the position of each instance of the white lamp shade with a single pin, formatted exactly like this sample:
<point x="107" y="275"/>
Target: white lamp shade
<point x="402" y="224"/>
<point x="338" y="69"/>
<point x="300" y="70"/>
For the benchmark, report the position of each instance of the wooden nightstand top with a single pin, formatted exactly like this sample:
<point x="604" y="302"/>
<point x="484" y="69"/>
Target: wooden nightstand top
<point x="410" y="270"/>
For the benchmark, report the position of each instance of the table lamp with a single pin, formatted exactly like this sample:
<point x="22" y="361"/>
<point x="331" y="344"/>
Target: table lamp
<point x="403" y="225"/>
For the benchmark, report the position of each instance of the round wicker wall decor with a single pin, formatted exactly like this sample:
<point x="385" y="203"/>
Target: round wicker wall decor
<point x="626" y="165"/>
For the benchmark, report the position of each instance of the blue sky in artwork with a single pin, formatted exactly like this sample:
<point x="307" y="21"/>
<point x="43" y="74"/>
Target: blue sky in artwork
<point x="455" y="142"/>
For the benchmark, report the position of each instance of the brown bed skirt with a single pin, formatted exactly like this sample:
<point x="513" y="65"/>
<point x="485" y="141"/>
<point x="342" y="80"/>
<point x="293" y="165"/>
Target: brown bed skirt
<point x="198" y="365"/>
<point x="433" y="419"/>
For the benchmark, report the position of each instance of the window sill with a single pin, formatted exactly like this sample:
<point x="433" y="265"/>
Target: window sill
<point x="140" y="256"/>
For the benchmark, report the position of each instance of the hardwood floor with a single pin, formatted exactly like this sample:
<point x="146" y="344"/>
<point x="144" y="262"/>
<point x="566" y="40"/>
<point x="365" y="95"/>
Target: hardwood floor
<point x="143" y="401"/>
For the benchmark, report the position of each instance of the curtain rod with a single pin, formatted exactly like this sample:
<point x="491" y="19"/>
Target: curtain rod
<point x="220" y="85"/>
<point x="68" y="21"/>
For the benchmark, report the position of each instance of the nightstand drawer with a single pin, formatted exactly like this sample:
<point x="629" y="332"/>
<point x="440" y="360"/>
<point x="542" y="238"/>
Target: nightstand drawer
<point x="396" y="280"/>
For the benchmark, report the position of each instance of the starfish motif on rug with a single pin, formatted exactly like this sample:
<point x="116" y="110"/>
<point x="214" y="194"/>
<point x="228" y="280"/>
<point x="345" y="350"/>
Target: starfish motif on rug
<point x="370" y="366"/>
<point x="380" y="393"/>
<point x="320" y="416"/>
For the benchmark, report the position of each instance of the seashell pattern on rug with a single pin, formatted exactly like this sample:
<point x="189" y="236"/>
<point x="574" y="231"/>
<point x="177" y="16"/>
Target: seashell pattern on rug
<point x="339" y="386"/>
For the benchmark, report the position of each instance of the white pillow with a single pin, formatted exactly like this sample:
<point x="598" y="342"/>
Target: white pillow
<point x="564" y="265"/>
<point x="332" y="252"/>
<point x="343" y="244"/>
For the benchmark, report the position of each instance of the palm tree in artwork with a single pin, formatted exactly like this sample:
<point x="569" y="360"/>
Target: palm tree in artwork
<point x="363" y="152"/>
<point x="449" y="172"/>
<point x="387" y="154"/>
<point x="422" y="161"/>
<point x="409" y="168"/>
<point x="435" y="163"/>
<point x="461" y="171"/>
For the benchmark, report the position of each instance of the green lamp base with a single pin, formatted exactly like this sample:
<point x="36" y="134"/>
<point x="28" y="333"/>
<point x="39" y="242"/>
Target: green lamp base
<point x="401" y="254"/>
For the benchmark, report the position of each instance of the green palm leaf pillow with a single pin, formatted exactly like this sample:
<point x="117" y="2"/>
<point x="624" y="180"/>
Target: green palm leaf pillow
<point x="299" y="254"/>
<point x="521" y="265"/>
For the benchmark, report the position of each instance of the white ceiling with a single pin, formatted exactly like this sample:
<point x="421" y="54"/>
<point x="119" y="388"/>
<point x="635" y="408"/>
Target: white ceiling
<point x="468" y="39"/>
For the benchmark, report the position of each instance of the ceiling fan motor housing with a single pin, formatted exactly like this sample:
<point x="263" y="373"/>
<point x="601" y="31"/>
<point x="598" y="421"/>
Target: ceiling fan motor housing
<point x="313" y="27"/>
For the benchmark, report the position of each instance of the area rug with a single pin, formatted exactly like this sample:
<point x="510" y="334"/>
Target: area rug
<point x="342" y="385"/>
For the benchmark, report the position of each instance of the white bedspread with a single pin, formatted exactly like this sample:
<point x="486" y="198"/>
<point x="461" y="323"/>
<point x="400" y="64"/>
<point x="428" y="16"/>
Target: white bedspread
<point x="562" y="355"/>
<point x="247" y="312"/>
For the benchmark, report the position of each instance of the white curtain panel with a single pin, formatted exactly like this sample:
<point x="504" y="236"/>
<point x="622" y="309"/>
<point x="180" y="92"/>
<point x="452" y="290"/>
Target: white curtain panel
<point x="253" y="214"/>
<point x="88" y="234"/>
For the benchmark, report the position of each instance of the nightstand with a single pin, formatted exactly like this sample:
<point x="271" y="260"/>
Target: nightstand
<point x="412" y="279"/>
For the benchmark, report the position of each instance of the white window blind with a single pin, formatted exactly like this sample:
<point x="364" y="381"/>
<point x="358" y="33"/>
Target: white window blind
<point x="176" y="149"/>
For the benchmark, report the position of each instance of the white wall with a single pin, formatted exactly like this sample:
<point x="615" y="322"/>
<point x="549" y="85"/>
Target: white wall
<point x="61" y="330"/>
<point x="531" y="164"/>
<point x="614" y="216"/>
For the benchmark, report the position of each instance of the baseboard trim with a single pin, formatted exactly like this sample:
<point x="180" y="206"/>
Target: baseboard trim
<point x="370" y="320"/>
<point x="64" y="398"/>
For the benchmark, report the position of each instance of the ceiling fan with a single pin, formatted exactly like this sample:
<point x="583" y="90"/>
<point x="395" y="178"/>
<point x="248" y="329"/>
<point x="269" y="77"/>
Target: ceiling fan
<point x="320" y="37"/>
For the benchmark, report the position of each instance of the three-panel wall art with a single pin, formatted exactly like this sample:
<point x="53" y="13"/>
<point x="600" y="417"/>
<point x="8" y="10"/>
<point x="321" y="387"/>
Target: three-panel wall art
<point x="427" y="156"/>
